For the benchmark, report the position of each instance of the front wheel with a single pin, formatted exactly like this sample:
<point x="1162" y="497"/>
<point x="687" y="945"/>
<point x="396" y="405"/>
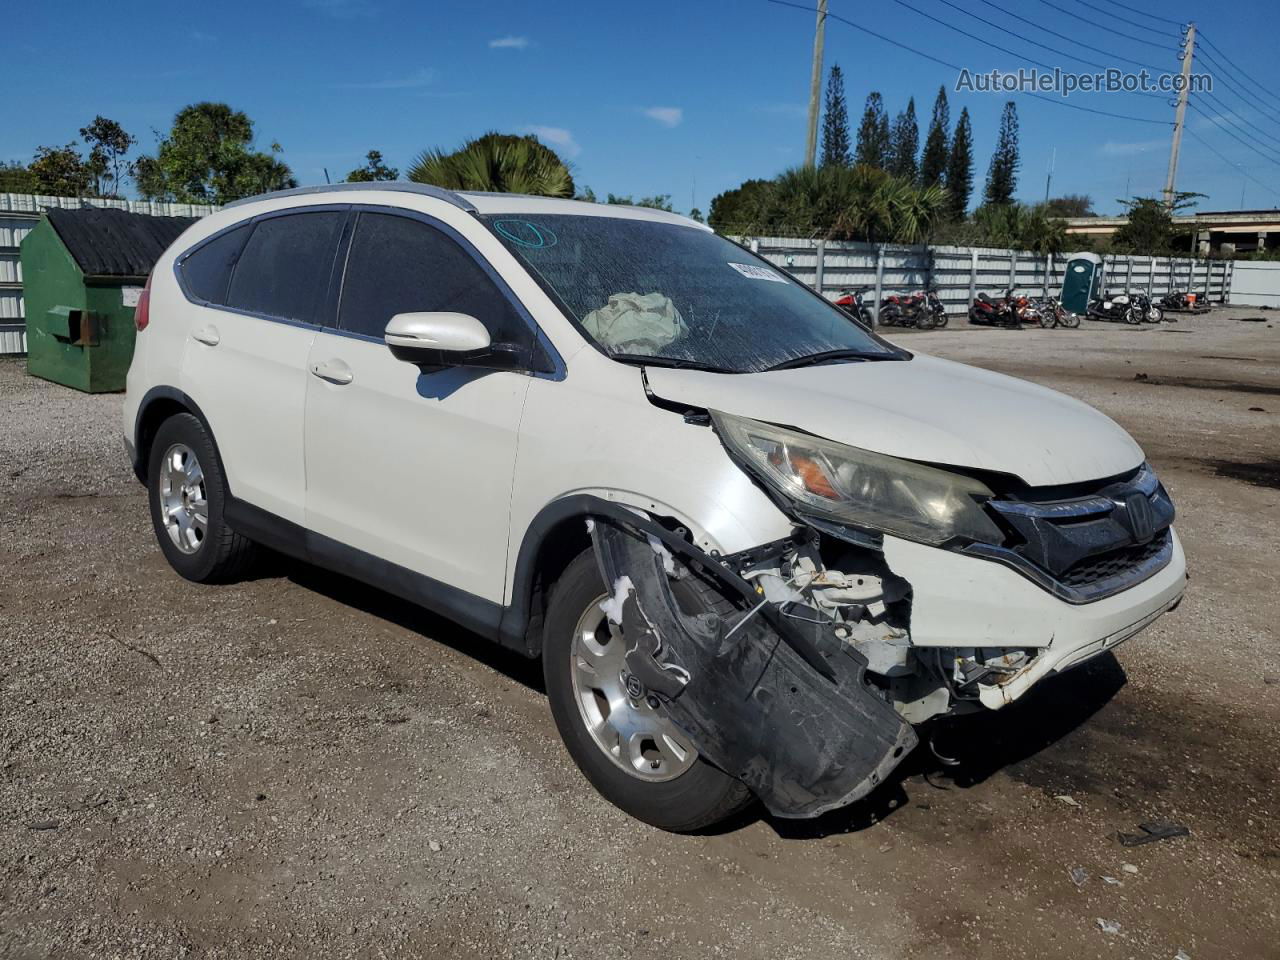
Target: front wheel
<point x="1133" y="315"/>
<point x="1155" y="315"/>
<point x="619" y="736"/>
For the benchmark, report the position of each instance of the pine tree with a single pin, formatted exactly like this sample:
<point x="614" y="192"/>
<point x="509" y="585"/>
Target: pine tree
<point x="933" y="164"/>
<point x="1002" y="175"/>
<point x="835" y="122"/>
<point x="960" y="168"/>
<point x="873" y="134"/>
<point x="906" y="143"/>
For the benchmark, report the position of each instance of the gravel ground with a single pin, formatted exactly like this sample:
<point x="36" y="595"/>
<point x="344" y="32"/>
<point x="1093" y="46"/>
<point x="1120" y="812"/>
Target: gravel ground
<point x="300" y="766"/>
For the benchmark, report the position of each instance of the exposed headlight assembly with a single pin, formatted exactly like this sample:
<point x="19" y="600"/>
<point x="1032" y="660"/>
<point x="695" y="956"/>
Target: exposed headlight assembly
<point x="861" y="488"/>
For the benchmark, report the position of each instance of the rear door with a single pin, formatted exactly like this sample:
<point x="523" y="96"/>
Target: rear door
<point x="262" y="292"/>
<point x="414" y="468"/>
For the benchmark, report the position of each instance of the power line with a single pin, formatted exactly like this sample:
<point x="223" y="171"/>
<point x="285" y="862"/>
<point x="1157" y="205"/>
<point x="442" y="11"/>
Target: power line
<point x="1118" y="33"/>
<point x="1132" y="23"/>
<point x="1224" y="76"/>
<point x="1063" y="36"/>
<point x="1024" y="39"/>
<point x="1152" y="16"/>
<point x="1244" y="173"/>
<point x="1214" y="47"/>
<point x="1231" y="133"/>
<point x="985" y="42"/>
<point x="1229" y="114"/>
<point x="928" y="56"/>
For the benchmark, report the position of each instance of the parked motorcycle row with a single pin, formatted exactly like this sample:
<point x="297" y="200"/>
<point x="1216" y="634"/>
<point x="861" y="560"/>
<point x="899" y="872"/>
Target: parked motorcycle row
<point x="924" y="310"/>
<point x="921" y="309"/>
<point x="1016" y="312"/>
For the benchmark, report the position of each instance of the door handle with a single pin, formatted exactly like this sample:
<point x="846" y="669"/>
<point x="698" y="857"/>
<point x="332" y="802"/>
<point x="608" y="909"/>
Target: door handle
<point x="207" y="335"/>
<point x="333" y="371"/>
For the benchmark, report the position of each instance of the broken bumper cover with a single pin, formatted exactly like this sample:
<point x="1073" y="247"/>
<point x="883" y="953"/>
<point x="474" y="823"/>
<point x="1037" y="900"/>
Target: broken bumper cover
<point x="779" y="703"/>
<point x="961" y="601"/>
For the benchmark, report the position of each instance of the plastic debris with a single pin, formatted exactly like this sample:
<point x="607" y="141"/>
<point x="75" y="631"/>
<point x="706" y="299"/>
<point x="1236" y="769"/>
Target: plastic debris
<point x="1079" y="876"/>
<point x="1129" y="868"/>
<point x="1181" y="955"/>
<point x="1108" y="926"/>
<point x="1111" y="881"/>
<point x="1151" y="832"/>
<point x="1069" y="801"/>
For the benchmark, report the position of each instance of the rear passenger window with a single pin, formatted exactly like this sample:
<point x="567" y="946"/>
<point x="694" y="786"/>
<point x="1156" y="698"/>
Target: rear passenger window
<point x="205" y="273"/>
<point x="400" y="265"/>
<point x="284" y="268"/>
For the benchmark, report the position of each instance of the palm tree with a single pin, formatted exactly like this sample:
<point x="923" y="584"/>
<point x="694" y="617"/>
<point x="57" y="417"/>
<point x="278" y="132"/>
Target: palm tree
<point x="498" y="162"/>
<point x="846" y="203"/>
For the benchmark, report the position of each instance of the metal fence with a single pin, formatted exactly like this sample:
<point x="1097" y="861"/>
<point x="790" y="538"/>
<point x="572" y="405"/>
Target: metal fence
<point x="19" y="213"/>
<point x="1256" y="283"/>
<point x="960" y="273"/>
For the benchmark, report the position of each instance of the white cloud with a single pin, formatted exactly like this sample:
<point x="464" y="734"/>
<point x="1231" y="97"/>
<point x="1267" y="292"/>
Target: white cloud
<point x="558" y="137"/>
<point x="1122" y="149"/>
<point x="419" y="78"/>
<point x="667" y="116"/>
<point x="509" y="42"/>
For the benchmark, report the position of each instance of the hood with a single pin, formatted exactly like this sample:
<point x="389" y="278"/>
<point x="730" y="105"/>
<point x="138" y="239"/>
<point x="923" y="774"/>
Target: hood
<point x="925" y="409"/>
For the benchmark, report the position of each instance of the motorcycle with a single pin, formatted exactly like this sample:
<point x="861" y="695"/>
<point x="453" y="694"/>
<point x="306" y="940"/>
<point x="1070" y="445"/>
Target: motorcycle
<point x="1181" y="301"/>
<point x="1007" y="311"/>
<point x="850" y="301"/>
<point x="904" y="310"/>
<point x="1053" y="314"/>
<point x="1131" y="308"/>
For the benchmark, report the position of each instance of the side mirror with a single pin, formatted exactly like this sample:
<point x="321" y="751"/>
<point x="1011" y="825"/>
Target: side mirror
<point x="434" y="340"/>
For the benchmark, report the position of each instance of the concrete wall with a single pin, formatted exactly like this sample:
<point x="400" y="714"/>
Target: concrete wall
<point x="1256" y="283"/>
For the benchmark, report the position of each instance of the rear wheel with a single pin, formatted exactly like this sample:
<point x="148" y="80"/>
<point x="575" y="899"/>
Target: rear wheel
<point x="188" y="493"/>
<point x="619" y="736"/>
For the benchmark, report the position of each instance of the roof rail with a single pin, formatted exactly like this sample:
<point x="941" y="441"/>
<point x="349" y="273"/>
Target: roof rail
<point x="394" y="186"/>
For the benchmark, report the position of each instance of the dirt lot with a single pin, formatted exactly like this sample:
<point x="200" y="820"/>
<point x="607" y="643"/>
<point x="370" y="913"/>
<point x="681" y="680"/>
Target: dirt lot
<point x="299" y="766"/>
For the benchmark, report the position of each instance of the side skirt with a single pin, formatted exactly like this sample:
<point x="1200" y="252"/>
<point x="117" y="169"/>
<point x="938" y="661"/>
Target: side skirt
<point x="475" y="613"/>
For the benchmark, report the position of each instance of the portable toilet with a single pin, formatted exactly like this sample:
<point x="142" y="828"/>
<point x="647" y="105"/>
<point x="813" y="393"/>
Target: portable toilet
<point x="82" y="273"/>
<point x="1080" y="285"/>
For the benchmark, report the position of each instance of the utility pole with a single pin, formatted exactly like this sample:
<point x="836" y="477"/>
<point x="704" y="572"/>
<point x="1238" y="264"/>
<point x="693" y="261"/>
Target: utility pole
<point x="1188" y="51"/>
<point x="1048" y="180"/>
<point x="815" y="85"/>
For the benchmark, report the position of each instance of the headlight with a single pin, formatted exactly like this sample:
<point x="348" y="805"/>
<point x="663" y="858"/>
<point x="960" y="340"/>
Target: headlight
<point x="862" y="488"/>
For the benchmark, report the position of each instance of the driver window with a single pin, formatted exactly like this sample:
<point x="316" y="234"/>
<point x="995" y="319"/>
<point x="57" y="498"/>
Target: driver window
<point x="401" y="265"/>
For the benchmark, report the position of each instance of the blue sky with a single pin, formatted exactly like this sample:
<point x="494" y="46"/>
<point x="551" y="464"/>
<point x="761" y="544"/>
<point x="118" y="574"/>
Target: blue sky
<point x="687" y="98"/>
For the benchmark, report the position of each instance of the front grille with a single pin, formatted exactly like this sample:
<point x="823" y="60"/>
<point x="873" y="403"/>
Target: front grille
<point x="1114" y="563"/>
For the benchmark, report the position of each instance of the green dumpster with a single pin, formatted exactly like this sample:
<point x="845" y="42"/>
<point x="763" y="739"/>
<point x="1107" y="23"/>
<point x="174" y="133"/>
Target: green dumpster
<point x="1080" y="285"/>
<point x="82" y="272"/>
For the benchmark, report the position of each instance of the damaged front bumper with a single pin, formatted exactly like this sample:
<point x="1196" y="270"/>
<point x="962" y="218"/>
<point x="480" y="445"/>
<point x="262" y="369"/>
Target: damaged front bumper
<point x="782" y="704"/>
<point x="806" y="679"/>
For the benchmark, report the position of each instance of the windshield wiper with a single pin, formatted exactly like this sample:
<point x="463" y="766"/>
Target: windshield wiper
<point x="677" y="363"/>
<point x="831" y="356"/>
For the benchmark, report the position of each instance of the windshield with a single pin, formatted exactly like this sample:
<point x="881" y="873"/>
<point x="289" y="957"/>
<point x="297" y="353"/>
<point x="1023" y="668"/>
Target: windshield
<point x="680" y="296"/>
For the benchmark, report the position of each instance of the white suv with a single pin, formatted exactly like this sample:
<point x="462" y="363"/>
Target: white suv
<point x="756" y="546"/>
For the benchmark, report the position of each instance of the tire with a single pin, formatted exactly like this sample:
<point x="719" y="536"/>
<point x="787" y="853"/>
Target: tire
<point x="940" y="320"/>
<point x="1069" y="320"/>
<point x="1133" y="316"/>
<point x="1155" y="315"/>
<point x="690" y="797"/>
<point x="204" y="551"/>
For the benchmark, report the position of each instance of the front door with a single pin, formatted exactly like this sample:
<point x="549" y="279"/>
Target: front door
<point x="414" y="467"/>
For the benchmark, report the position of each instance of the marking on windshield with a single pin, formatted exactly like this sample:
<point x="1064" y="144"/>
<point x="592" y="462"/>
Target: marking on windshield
<point x="754" y="272"/>
<point x="526" y="234"/>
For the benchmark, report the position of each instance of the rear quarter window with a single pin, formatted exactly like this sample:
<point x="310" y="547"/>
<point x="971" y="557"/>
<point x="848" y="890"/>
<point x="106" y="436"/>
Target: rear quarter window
<point x="207" y="270"/>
